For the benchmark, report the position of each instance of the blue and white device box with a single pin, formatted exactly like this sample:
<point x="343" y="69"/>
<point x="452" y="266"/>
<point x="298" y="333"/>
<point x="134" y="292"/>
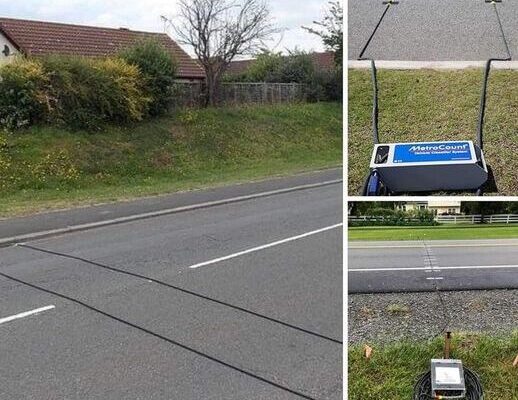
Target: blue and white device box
<point x="421" y="153"/>
<point x="430" y="166"/>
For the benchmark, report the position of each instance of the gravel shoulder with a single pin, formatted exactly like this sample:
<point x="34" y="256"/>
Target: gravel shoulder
<point x="385" y="318"/>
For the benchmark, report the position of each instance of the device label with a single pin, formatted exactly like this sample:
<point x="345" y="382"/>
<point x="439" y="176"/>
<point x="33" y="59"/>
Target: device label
<point x="447" y="376"/>
<point x="430" y="152"/>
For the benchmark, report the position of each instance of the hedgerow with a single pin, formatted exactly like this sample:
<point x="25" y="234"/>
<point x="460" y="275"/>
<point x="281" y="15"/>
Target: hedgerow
<point x="83" y="93"/>
<point x="23" y="93"/>
<point x="87" y="93"/>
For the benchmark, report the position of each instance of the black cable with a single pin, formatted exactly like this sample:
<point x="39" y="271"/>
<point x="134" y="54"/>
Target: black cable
<point x="389" y="3"/>
<point x="437" y="290"/>
<point x="374" y="76"/>
<point x="474" y="391"/>
<point x="183" y="290"/>
<point x="159" y="336"/>
<point x="487" y="69"/>
<point x="502" y="32"/>
<point x="375" y="106"/>
<point x="423" y="386"/>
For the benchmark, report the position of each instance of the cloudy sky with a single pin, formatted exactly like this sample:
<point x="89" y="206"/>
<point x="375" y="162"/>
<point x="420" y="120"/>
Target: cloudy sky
<point x="145" y="15"/>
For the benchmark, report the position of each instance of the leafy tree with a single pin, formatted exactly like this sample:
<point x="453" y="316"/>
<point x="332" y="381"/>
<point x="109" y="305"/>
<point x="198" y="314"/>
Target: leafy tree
<point x="365" y="207"/>
<point x="330" y="30"/>
<point x="158" y="67"/>
<point x="265" y="68"/>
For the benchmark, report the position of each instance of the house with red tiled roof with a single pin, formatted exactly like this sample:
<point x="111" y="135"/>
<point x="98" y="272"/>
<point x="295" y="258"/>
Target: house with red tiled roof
<point x="322" y="61"/>
<point x="39" y="38"/>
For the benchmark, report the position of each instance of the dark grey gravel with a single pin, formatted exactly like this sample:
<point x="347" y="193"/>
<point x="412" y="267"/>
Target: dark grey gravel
<point x="383" y="318"/>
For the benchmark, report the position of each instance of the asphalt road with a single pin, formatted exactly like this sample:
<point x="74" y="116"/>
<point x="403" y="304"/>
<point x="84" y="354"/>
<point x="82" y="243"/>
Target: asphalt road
<point x="248" y="321"/>
<point x="100" y="213"/>
<point x="438" y="30"/>
<point x="448" y="265"/>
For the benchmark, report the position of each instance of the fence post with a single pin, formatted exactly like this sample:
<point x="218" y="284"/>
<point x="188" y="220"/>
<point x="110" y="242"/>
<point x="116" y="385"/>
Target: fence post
<point x="508" y="215"/>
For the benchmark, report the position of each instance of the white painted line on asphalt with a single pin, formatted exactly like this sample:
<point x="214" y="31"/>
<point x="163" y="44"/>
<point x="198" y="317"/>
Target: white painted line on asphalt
<point x="26" y="314"/>
<point x="152" y="214"/>
<point x="435" y="278"/>
<point x="265" y="246"/>
<point x="424" y="269"/>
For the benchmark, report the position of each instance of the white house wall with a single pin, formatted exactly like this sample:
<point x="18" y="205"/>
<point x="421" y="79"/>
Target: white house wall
<point x="4" y="41"/>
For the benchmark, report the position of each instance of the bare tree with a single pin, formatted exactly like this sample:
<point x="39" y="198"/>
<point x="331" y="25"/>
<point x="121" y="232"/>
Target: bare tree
<point x="220" y="30"/>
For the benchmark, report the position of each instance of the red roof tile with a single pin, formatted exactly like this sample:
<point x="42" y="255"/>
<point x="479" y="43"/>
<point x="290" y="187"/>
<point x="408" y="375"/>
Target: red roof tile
<point x="324" y="61"/>
<point x="37" y="38"/>
<point x="239" y="67"/>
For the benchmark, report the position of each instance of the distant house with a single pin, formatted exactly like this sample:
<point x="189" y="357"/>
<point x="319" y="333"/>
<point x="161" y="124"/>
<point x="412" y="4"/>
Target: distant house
<point x="439" y="207"/>
<point x="38" y="38"/>
<point x="322" y="61"/>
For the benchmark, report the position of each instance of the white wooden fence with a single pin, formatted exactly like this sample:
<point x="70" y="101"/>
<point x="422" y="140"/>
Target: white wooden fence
<point x="450" y="219"/>
<point x="379" y="218"/>
<point x="477" y="219"/>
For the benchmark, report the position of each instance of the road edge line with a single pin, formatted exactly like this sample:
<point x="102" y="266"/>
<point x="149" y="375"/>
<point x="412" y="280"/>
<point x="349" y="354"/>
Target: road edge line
<point x="4" y="242"/>
<point x="434" y="65"/>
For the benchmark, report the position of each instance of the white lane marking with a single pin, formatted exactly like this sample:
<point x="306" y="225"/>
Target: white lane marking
<point x="265" y="246"/>
<point x="438" y="278"/>
<point x="26" y="314"/>
<point x="436" y="245"/>
<point x="442" y="268"/>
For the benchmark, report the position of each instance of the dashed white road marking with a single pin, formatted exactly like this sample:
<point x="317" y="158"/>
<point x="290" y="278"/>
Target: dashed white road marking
<point x="26" y="314"/>
<point x="265" y="246"/>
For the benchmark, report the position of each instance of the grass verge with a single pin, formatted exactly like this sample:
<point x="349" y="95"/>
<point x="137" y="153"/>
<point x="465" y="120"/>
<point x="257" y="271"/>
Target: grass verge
<point x="424" y="105"/>
<point x="49" y="167"/>
<point x="393" y="369"/>
<point x="444" y="232"/>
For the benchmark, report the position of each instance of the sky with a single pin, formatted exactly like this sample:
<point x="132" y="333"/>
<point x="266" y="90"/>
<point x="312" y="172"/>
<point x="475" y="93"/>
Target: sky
<point x="289" y="15"/>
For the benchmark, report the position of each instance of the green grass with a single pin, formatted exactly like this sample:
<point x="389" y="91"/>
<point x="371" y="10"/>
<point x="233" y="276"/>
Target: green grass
<point x="435" y="105"/>
<point x="444" y="232"/>
<point x="393" y="369"/>
<point x="49" y="167"/>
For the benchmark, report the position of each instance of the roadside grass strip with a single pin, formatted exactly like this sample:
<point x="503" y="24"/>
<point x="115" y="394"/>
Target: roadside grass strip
<point x="443" y="232"/>
<point x="392" y="370"/>
<point x="48" y="167"/>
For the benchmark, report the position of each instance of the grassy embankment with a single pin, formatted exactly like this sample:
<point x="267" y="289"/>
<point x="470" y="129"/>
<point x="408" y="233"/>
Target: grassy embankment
<point x="393" y="369"/>
<point x="441" y="232"/>
<point x="427" y="105"/>
<point x="50" y="167"/>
